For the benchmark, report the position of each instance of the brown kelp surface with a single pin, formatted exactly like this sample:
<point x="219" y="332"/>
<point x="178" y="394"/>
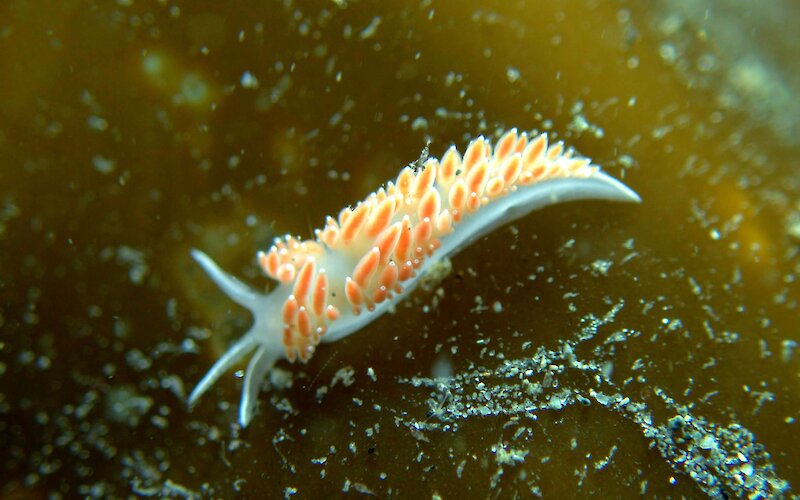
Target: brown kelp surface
<point x="589" y="348"/>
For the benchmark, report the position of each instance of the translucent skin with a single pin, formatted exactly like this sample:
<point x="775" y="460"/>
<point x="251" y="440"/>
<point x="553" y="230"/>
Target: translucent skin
<point x="368" y="261"/>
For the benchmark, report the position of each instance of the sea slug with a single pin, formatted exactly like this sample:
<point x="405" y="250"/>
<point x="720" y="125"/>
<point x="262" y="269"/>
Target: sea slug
<point x="373" y="254"/>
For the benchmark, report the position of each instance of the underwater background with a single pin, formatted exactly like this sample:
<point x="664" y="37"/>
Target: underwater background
<point x="587" y="349"/>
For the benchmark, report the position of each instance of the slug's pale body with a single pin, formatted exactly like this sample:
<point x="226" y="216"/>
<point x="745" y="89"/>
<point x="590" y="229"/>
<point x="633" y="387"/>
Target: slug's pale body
<point x="369" y="258"/>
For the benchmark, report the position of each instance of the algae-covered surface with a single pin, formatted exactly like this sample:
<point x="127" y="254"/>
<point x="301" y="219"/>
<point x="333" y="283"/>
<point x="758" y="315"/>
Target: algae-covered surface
<point x="590" y="348"/>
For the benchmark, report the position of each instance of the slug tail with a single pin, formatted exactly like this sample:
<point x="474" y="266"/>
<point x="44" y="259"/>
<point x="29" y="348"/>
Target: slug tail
<point x="604" y="187"/>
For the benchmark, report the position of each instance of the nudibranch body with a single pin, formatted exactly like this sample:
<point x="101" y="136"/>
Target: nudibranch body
<point x="374" y="253"/>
